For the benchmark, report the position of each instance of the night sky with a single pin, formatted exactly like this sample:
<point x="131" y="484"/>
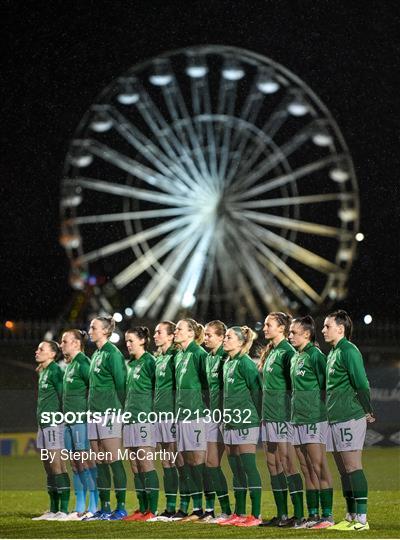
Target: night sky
<point x="59" y="55"/>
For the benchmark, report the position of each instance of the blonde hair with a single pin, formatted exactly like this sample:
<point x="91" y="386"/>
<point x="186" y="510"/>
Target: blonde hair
<point x="198" y="330"/>
<point x="108" y="324"/>
<point x="246" y="335"/>
<point x="219" y="326"/>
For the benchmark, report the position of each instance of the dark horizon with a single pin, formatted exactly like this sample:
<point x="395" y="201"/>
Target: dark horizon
<point x="58" y="59"/>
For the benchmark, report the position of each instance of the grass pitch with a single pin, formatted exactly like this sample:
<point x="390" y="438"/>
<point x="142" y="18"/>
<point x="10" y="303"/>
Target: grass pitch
<point x="23" y="496"/>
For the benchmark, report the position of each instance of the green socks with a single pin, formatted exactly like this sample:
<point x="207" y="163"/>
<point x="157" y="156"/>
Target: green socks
<point x="152" y="488"/>
<point x="171" y="487"/>
<point x="326" y="496"/>
<point x="184" y="488"/>
<point x="359" y="486"/>
<point x="53" y="493"/>
<point x="239" y="484"/>
<point x="253" y="481"/>
<point x="209" y="491"/>
<point x="138" y="480"/>
<point x="312" y="498"/>
<point x="119" y="476"/>
<point x="221" y="488"/>
<point x="196" y="477"/>
<point x="295" y="485"/>
<point x="279" y="489"/>
<point x="63" y="489"/>
<point x="347" y="491"/>
<point x="104" y="486"/>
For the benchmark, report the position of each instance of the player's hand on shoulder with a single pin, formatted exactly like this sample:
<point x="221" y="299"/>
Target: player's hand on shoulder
<point x="370" y="418"/>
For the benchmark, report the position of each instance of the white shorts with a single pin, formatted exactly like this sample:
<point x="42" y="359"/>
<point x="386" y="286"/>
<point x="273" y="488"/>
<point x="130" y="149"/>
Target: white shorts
<point x="191" y="435"/>
<point x="310" y="433"/>
<point x="213" y="433"/>
<point x="349" y="435"/>
<point x="51" y="437"/>
<point x="165" y="432"/>
<point x="97" y="430"/>
<point x="275" y="432"/>
<point x="248" y="435"/>
<point x="329" y="440"/>
<point x="139" y="435"/>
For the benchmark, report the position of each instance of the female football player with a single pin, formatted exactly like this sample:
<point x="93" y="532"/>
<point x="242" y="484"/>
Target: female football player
<point x="51" y="437"/>
<point x="139" y="433"/>
<point x="214" y="478"/>
<point x="349" y="409"/>
<point x="107" y="378"/>
<point x="75" y="396"/>
<point x="191" y="385"/>
<point x="310" y="425"/>
<point x="242" y="407"/>
<point x="277" y="431"/>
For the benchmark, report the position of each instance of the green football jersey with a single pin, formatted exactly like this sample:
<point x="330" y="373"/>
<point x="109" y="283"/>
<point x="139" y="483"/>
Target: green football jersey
<point x="308" y="376"/>
<point x="241" y="393"/>
<point x="76" y="384"/>
<point x="276" y="383"/>
<point x="215" y="377"/>
<point x="347" y="386"/>
<point x="107" y="379"/>
<point x="49" y="391"/>
<point x="164" y="393"/>
<point x="140" y="387"/>
<point x="191" y="382"/>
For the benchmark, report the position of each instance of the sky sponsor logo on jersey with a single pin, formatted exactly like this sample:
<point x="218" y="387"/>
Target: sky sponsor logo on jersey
<point x="300" y="372"/>
<point x="136" y="372"/>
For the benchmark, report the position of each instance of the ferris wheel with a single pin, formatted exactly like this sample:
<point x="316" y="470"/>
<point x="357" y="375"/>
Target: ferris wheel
<point x="210" y="180"/>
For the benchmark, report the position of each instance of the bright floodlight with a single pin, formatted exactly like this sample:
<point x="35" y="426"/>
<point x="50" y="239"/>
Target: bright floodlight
<point x="360" y="237"/>
<point x="322" y="138"/>
<point x="114" y="338"/>
<point x="196" y="67"/>
<point x="162" y="73"/>
<point x="338" y="174"/>
<point x="347" y="214"/>
<point x="70" y="241"/>
<point x="71" y="198"/>
<point x="232" y="70"/>
<point x="128" y="312"/>
<point x="129" y="93"/>
<point x="368" y="319"/>
<point x="298" y="106"/>
<point x="345" y="254"/>
<point x="117" y="317"/>
<point x="81" y="159"/>
<point x="266" y="83"/>
<point x="101" y="122"/>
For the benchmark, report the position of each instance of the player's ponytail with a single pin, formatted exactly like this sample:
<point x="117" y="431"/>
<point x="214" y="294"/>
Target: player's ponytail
<point x="142" y="332"/>
<point x="308" y="324"/>
<point x="246" y="336"/>
<point x="108" y="324"/>
<point x="342" y="317"/>
<point x="219" y="327"/>
<point x="198" y="330"/>
<point x="55" y="348"/>
<point x="79" y="335"/>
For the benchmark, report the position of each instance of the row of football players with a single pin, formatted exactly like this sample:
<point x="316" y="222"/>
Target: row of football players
<point x="295" y="399"/>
